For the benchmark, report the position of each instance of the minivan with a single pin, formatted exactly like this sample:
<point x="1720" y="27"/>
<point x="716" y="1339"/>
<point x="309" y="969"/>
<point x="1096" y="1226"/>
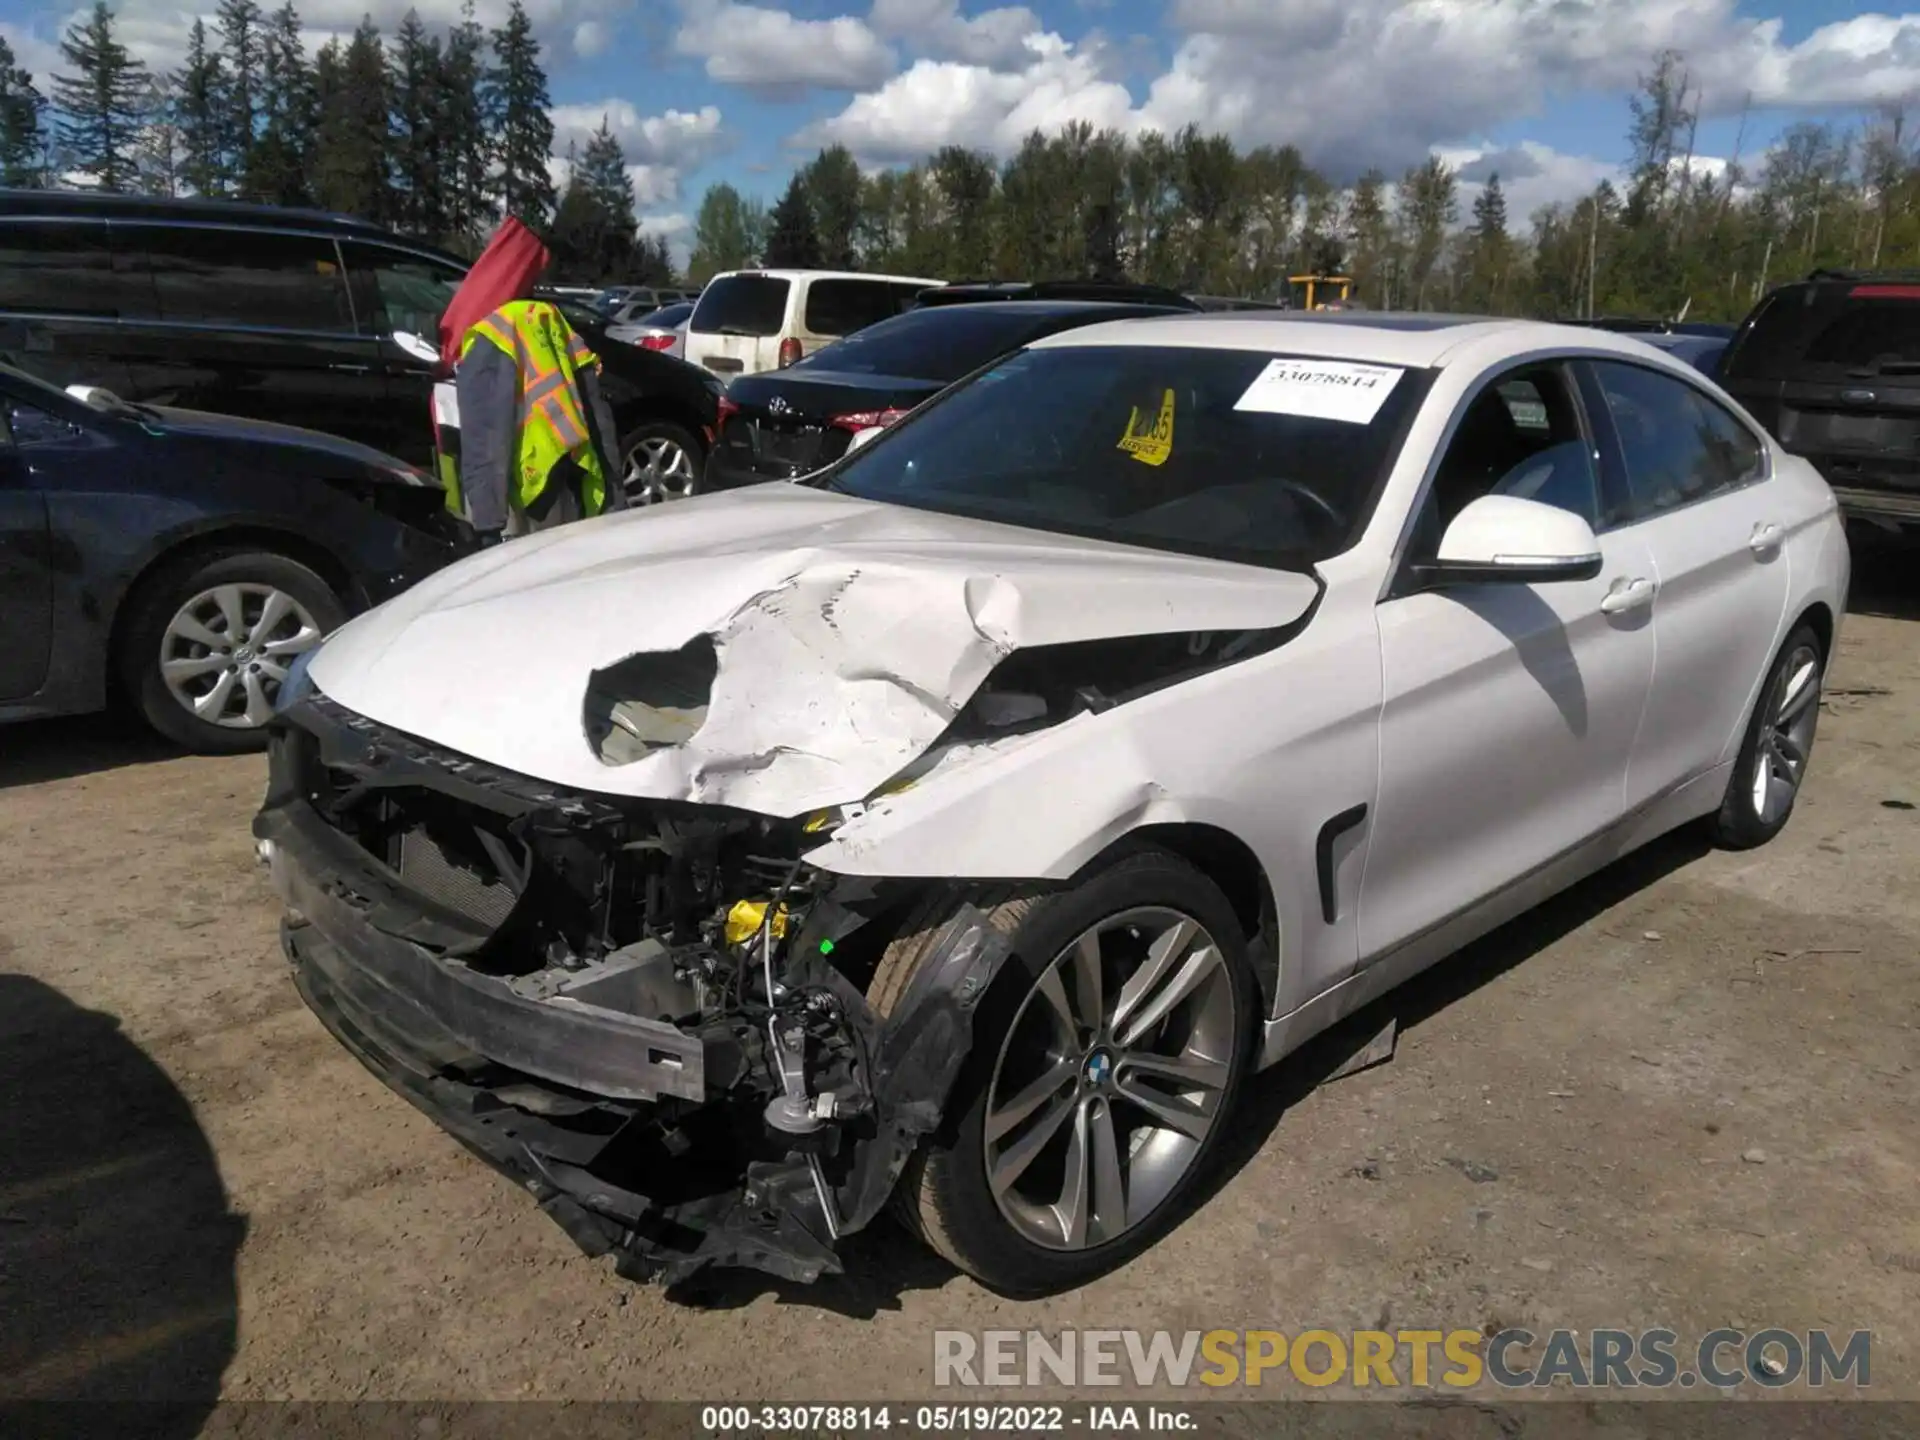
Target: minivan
<point x="748" y="321"/>
<point x="296" y="316"/>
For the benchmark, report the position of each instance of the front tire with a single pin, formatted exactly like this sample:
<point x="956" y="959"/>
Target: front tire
<point x="1772" y="763"/>
<point x="207" y="641"/>
<point x="1105" y="1062"/>
<point x="660" y="461"/>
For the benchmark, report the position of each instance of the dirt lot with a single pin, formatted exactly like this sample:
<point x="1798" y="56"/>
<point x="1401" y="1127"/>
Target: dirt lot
<point x="1683" y="1095"/>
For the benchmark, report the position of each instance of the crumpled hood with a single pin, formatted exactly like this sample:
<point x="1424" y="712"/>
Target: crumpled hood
<point x="847" y="633"/>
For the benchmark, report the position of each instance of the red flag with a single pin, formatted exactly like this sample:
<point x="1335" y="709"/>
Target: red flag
<point x="505" y="271"/>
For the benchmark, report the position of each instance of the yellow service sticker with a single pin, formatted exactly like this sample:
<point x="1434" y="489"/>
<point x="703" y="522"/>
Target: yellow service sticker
<point x="1154" y="444"/>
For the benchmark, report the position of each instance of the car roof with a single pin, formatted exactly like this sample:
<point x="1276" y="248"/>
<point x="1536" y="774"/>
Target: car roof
<point x="1397" y="338"/>
<point x="829" y="275"/>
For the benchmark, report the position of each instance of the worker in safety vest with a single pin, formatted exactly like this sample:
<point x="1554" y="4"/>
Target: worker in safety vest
<point x="534" y="425"/>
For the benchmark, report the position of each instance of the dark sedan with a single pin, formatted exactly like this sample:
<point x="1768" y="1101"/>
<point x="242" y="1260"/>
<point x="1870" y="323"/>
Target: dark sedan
<point x="182" y="560"/>
<point x="786" y="423"/>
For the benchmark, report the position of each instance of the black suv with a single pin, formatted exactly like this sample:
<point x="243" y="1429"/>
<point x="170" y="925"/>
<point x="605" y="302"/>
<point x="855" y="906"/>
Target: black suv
<point x="284" y="315"/>
<point x="1831" y="365"/>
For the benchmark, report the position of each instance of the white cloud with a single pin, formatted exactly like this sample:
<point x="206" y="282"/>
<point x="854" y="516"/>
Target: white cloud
<point x="155" y="31"/>
<point x="1355" y="83"/>
<point x="659" y="149"/>
<point x="1531" y="175"/>
<point x="995" y="38"/>
<point x="591" y="38"/>
<point x="948" y="103"/>
<point x="773" y="52"/>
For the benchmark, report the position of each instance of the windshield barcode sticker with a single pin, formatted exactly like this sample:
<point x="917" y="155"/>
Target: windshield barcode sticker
<point x="1321" y="390"/>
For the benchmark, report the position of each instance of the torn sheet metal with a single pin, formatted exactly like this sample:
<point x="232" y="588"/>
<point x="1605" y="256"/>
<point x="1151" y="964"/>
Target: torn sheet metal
<point x="847" y="634"/>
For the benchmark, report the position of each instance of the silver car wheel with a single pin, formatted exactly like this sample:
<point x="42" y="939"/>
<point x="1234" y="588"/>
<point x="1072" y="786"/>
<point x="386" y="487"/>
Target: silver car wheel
<point x="658" y="469"/>
<point x="1780" y="760"/>
<point x="226" y="652"/>
<point x="1110" y="1079"/>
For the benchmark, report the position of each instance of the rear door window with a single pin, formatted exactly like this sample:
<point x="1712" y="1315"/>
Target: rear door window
<point x="840" y="307"/>
<point x="62" y="267"/>
<point x="211" y="276"/>
<point x="1872" y="330"/>
<point x="742" y="305"/>
<point x="1679" y="446"/>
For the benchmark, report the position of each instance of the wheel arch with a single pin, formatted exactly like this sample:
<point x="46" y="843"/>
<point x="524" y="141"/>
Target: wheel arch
<point x="629" y="414"/>
<point x="1820" y="617"/>
<point x="1229" y="862"/>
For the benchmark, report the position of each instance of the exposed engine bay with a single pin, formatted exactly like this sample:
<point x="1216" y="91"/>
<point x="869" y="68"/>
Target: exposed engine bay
<point x="650" y="1013"/>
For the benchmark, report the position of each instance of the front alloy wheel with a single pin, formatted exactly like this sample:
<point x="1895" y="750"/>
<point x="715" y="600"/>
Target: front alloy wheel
<point x="1104" y="1061"/>
<point x="1110" y="1079"/>
<point x="226" y="652"/>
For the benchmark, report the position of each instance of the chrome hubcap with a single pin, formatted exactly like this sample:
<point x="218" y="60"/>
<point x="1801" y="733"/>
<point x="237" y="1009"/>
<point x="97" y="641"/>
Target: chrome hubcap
<point x="1780" y="763"/>
<point x="657" y="470"/>
<point x="226" y="652"/>
<point x="1110" y="1079"/>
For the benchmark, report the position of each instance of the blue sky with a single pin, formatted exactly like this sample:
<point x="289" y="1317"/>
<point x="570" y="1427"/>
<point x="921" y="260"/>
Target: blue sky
<point x="701" y="91"/>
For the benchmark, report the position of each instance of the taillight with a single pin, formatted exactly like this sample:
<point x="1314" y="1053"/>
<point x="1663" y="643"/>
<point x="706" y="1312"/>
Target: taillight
<point x="657" y="342"/>
<point x="867" y="419"/>
<point x="790" y="351"/>
<point x="724" y="410"/>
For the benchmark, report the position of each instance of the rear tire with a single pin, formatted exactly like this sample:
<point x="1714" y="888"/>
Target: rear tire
<point x="1774" y="753"/>
<point x="1015" y="1236"/>
<point x="207" y="639"/>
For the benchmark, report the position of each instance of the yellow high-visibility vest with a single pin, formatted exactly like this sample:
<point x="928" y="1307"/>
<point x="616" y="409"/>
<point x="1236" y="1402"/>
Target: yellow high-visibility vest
<point x="552" y="423"/>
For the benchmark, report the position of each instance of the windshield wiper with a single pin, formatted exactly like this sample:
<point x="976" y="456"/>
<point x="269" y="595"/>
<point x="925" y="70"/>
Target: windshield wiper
<point x="739" y="330"/>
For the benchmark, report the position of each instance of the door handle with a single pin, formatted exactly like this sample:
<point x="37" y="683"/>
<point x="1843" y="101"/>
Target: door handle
<point x="1625" y="595"/>
<point x="1766" y="537"/>
<point x="351" y="369"/>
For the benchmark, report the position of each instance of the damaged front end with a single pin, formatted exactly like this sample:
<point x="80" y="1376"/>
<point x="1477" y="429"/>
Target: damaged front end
<point x="650" y="1013"/>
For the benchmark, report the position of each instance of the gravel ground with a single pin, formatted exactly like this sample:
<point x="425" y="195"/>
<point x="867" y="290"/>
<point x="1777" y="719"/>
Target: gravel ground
<point x="1681" y="1094"/>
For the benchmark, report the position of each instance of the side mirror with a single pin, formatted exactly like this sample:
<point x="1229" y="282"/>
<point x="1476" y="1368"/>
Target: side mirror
<point x="417" y="347"/>
<point x="1502" y="539"/>
<point x="861" y="437"/>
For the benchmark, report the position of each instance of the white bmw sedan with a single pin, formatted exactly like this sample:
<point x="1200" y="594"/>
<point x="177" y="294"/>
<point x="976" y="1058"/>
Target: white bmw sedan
<point x="962" y="825"/>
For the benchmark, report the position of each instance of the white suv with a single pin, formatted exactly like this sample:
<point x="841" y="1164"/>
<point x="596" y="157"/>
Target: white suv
<point x="753" y="320"/>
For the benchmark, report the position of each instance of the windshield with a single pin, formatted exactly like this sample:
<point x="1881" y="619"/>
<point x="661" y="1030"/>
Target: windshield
<point x="742" y="305"/>
<point x="937" y="344"/>
<point x="1270" y="460"/>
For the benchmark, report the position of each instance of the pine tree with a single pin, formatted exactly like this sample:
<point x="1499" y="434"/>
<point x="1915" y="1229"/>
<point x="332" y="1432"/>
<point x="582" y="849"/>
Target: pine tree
<point x="833" y="189"/>
<point x="277" y="166"/>
<point x="517" y="109"/>
<point x="100" y="105"/>
<point x="726" y="234"/>
<point x="22" y="107"/>
<point x="469" y="155"/>
<point x="603" y="168"/>
<point x="350" y="166"/>
<point x="1488" y="257"/>
<point x="792" y="242"/>
<point x="157" y="152"/>
<point x="414" y="82"/>
<point x="199" y="86"/>
<point x="652" y="262"/>
<point x="240" y="25"/>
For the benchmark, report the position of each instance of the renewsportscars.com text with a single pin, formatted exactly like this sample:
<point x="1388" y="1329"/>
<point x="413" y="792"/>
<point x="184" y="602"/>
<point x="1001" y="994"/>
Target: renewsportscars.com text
<point x="1513" y="1358"/>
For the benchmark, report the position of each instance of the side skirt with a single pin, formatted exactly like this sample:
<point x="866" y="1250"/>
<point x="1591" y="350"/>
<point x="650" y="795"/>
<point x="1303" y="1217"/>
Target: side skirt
<point x="1379" y="974"/>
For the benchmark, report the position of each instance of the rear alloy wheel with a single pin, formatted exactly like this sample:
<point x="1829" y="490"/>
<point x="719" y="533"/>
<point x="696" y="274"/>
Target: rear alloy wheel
<point x="1773" y="758"/>
<point x="1106" y="1058"/>
<point x="660" y="462"/>
<point x="207" y="644"/>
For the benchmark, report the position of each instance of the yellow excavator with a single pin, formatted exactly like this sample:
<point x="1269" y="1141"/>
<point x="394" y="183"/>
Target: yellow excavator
<point x="1320" y="292"/>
